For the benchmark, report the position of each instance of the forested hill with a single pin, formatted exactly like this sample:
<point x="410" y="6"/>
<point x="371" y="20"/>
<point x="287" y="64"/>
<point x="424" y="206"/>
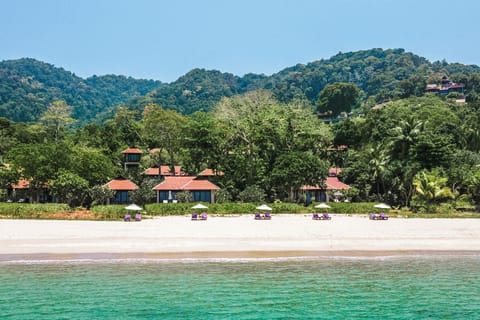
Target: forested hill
<point x="381" y="74"/>
<point x="27" y="86"/>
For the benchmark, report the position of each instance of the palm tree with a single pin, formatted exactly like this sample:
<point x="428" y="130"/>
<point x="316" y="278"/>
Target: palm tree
<point x="431" y="187"/>
<point x="473" y="188"/>
<point x="378" y="162"/>
<point x="403" y="135"/>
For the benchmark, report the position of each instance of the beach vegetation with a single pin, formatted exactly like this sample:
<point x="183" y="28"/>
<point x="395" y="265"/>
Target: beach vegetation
<point x="431" y="188"/>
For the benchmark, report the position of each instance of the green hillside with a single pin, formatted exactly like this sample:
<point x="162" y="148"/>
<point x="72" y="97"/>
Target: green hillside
<point x="28" y="86"/>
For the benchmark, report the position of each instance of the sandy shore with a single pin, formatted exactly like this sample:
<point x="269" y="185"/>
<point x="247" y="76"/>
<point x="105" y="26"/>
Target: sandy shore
<point x="236" y="236"/>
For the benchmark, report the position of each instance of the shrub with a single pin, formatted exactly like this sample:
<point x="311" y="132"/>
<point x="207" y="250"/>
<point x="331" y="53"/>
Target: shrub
<point x="31" y="210"/>
<point x="185" y="196"/>
<point x="252" y="194"/>
<point x="222" y="196"/>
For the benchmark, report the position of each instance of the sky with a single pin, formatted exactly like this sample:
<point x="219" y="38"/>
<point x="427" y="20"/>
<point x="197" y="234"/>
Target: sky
<point x="163" y="40"/>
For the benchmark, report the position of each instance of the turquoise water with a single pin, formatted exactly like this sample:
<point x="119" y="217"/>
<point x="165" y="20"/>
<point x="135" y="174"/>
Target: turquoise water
<point x="426" y="287"/>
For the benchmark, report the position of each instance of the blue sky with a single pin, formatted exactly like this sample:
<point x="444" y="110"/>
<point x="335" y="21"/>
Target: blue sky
<point x="162" y="40"/>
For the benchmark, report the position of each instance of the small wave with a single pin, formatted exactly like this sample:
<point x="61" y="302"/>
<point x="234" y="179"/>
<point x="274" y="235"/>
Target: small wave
<point x="228" y="260"/>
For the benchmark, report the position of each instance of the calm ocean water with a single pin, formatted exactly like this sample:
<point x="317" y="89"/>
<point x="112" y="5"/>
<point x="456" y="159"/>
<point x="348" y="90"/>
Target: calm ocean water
<point x="423" y="287"/>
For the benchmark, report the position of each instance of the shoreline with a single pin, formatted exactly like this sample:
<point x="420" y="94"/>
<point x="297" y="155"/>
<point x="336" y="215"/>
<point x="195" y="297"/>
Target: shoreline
<point x="229" y="256"/>
<point x="236" y="237"/>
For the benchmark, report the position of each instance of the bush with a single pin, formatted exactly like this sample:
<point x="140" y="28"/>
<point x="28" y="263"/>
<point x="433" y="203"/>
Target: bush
<point x="185" y="196"/>
<point x="222" y="196"/>
<point x="252" y="194"/>
<point x="31" y="210"/>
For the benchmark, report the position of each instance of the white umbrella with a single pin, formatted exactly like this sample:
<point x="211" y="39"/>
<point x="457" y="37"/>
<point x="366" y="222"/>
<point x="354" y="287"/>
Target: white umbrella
<point x="264" y="207"/>
<point x="133" y="207"/>
<point x="322" y="205"/>
<point x="199" y="206"/>
<point x="382" y="206"/>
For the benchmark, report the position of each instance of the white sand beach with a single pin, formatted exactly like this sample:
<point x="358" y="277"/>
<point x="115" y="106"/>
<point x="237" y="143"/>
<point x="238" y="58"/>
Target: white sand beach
<point x="238" y="235"/>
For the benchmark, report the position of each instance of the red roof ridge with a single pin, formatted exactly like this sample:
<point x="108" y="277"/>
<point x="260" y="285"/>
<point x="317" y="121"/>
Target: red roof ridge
<point x="132" y="150"/>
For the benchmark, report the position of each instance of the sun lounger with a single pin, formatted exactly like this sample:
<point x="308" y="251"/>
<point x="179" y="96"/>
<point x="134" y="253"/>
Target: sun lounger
<point x="258" y="216"/>
<point x="325" y="216"/>
<point x="203" y="216"/>
<point x="315" y="216"/>
<point x="127" y="217"/>
<point x="383" y="216"/>
<point x="194" y="216"/>
<point x="373" y="216"/>
<point x="138" y="217"/>
<point x="267" y="216"/>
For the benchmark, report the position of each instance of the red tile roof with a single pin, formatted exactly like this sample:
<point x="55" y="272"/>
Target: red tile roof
<point x="187" y="183"/>
<point x="164" y="171"/>
<point x="21" y="184"/>
<point x="200" y="185"/>
<point x="173" y="183"/>
<point x="332" y="183"/>
<point x="121" y="184"/>
<point x="132" y="151"/>
<point x="334" y="171"/>
<point x="210" y="173"/>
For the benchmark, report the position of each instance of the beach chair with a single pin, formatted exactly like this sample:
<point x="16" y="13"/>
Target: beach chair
<point x="383" y="216"/>
<point x="373" y="216"/>
<point x="127" y="217"/>
<point x="315" y="216"/>
<point x="203" y="216"/>
<point x="258" y="216"/>
<point x="194" y="216"/>
<point x="325" y="216"/>
<point x="138" y="217"/>
<point x="267" y="216"/>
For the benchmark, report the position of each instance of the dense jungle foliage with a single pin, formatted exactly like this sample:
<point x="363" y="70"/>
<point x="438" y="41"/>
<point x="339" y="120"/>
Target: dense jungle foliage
<point x="405" y="147"/>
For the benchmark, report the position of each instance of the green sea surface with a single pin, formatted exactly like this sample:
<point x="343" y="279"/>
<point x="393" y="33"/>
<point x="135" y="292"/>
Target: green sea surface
<point x="402" y="287"/>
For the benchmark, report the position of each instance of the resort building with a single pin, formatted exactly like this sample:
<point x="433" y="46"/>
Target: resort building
<point x="121" y="188"/>
<point x="331" y="190"/>
<point x="22" y="192"/>
<point x="201" y="189"/>
<point x="445" y="87"/>
<point x="164" y="171"/>
<point x="131" y="159"/>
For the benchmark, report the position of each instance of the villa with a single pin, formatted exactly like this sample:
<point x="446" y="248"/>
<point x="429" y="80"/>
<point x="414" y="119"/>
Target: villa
<point x="331" y="186"/>
<point x="445" y="87"/>
<point x="121" y="188"/>
<point x="202" y="190"/>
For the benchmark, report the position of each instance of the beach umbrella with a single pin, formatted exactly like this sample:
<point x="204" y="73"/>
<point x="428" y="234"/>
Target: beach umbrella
<point x="382" y="206"/>
<point x="264" y="207"/>
<point x="199" y="206"/>
<point x="322" y="206"/>
<point x="133" y="207"/>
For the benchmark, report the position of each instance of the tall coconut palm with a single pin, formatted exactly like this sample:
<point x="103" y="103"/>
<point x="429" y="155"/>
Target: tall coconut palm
<point x="378" y="161"/>
<point x="403" y="135"/>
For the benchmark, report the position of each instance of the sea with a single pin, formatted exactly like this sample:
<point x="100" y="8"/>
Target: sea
<point x="380" y="287"/>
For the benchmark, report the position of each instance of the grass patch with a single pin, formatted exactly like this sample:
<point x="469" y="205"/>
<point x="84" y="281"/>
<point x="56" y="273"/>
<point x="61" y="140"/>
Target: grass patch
<point x="32" y="210"/>
<point x="116" y="212"/>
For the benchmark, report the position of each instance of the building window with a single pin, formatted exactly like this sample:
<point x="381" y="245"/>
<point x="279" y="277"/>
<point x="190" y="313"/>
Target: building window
<point x="133" y="158"/>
